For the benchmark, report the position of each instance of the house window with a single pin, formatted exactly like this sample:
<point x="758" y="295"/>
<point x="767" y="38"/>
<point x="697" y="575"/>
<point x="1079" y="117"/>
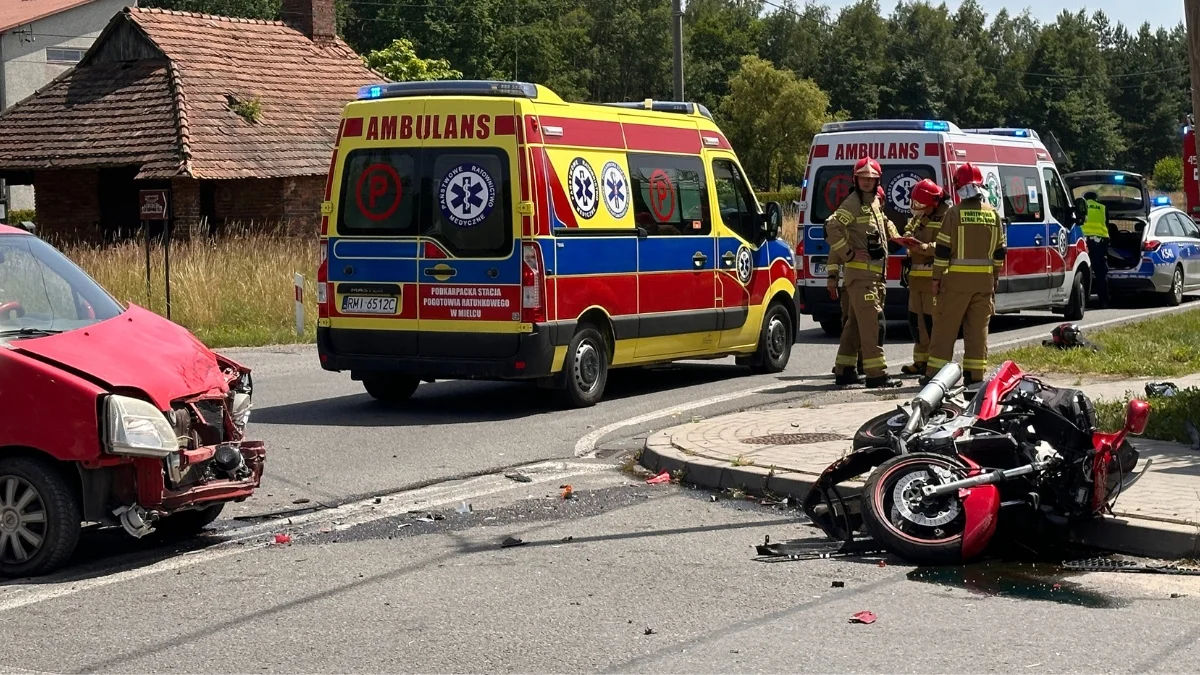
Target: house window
<point x="59" y="55"/>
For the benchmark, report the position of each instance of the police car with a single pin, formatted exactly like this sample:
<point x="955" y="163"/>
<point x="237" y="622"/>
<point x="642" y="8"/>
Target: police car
<point x="1153" y="246"/>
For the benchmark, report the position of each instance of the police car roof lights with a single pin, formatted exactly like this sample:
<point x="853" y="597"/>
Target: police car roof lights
<point x="1161" y="200"/>
<point x="680" y="107"/>
<point x="447" y="88"/>
<point x="1004" y="131"/>
<point x="888" y="125"/>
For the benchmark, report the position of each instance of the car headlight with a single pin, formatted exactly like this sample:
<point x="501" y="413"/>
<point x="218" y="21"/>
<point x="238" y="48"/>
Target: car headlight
<point x="137" y="428"/>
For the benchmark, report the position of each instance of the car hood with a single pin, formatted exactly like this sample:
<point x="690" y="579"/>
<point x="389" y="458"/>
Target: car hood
<point x="136" y="350"/>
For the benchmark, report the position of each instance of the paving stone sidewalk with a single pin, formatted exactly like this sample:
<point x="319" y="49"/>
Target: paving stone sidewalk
<point x="782" y="451"/>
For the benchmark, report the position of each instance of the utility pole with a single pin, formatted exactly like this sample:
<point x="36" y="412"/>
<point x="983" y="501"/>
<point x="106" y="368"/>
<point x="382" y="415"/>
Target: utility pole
<point x="677" y="35"/>
<point x="1191" y="15"/>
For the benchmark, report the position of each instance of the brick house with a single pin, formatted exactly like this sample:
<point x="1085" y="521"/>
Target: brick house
<point x="235" y="117"/>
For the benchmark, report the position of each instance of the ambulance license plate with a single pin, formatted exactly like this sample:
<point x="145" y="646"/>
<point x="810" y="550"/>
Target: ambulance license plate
<point x="374" y="304"/>
<point x="819" y="269"/>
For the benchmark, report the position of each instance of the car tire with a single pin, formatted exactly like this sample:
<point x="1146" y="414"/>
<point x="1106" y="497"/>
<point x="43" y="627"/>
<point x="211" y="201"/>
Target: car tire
<point x="775" y="340"/>
<point x="585" y="370"/>
<point x="56" y="523"/>
<point x="832" y="327"/>
<point x="391" y="389"/>
<point x="1077" y="304"/>
<point x="1174" y="294"/>
<point x="187" y="523"/>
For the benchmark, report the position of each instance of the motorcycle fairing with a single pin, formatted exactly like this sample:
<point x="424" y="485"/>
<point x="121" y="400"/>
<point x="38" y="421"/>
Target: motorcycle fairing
<point x="981" y="508"/>
<point x="838" y="520"/>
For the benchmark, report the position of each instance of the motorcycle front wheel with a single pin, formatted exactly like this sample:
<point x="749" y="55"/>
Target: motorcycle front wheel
<point x="878" y="429"/>
<point x="919" y="530"/>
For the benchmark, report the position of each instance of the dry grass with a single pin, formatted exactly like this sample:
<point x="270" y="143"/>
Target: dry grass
<point x="233" y="291"/>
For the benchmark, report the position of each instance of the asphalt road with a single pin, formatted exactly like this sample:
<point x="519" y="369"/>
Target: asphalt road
<point x="397" y="574"/>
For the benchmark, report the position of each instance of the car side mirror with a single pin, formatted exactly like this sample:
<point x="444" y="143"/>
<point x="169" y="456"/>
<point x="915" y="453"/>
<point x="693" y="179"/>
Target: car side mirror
<point x="1081" y="209"/>
<point x="1137" y="415"/>
<point x="773" y="220"/>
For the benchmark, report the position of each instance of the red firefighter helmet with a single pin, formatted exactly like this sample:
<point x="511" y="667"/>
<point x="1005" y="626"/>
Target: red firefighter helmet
<point x="967" y="174"/>
<point x="926" y="194"/>
<point x="867" y="168"/>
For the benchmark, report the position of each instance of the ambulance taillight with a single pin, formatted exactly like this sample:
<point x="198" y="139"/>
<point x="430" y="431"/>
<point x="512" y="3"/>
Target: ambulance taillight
<point x="322" y="281"/>
<point x="533" y="296"/>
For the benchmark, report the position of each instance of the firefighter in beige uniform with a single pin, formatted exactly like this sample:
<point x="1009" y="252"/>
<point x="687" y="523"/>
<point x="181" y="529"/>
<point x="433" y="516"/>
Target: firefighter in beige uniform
<point x="858" y="233"/>
<point x="929" y="205"/>
<point x="832" y="271"/>
<point x="969" y="257"/>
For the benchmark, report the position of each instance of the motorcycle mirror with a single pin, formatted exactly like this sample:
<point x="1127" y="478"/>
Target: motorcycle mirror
<point x="1137" y="415"/>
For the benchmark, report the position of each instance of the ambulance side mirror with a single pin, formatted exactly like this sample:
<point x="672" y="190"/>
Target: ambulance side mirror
<point x="1081" y="209"/>
<point x="773" y="220"/>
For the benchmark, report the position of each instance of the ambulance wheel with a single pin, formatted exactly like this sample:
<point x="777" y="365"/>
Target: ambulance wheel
<point x="391" y="388"/>
<point x="1076" y="306"/>
<point x="585" y="369"/>
<point x="832" y="327"/>
<point x="774" y="341"/>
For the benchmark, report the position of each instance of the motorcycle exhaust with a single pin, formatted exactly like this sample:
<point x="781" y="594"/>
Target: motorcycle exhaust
<point x="930" y="397"/>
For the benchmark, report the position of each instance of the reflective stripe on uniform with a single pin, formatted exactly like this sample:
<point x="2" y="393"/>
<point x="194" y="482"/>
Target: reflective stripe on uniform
<point x="921" y="273"/>
<point x="943" y="238"/>
<point x="880" y="363"/>
<point x="846" y="360"/>
<point x="973" y="269"/>
<point x="865" y="266"/>
<point x="974" y="364"/>
<point x="935" y="362"/>
<point x="837" y="245"/>
<point x="920" y="357"/>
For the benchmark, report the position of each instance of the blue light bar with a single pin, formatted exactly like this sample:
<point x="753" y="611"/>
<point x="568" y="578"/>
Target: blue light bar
<point x="1119" y="178"/>
<point x="887" y="125"/>
<point x="1003" y="131"/>
<point x="447" y="88"/>
<point x="1161" y="200"/>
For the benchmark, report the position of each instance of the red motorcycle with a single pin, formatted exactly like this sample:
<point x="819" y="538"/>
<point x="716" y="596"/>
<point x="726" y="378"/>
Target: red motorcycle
<point x="941" y="481"/>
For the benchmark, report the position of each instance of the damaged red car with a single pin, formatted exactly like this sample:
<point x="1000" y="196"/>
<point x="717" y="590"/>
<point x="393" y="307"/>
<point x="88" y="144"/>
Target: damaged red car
<point x="108" y="414"/>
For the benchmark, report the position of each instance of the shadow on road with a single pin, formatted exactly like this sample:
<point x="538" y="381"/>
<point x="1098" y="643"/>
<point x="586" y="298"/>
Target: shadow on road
<point x="467" y="401"/>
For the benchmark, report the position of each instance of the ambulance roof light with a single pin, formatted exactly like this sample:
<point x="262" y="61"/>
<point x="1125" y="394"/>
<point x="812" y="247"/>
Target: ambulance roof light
<point x="1005" y="131"/>
<point x="447" y="88"/>
<point x="679" y="107"/>
<point x="888" y="125"/>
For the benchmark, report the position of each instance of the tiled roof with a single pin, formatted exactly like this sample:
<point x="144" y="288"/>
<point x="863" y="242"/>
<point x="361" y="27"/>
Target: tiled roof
<point x="14" y="13"/>
<point x="301" y="87"/>
<point x="100" y="115"/>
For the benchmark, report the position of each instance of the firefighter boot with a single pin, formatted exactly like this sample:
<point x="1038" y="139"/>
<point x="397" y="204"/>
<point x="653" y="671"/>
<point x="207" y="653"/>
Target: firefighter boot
<point x="847" y="377"/>
<point x="882" y="382"/>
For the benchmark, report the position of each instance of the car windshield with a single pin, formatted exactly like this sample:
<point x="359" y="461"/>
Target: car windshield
<point x="42" y="292"/>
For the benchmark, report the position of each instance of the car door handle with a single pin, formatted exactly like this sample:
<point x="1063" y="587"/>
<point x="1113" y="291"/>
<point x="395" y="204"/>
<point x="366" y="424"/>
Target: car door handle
<point x="1037" y="240"/>
<point x="440" y="271"/>
<point x="728" y="258"/>
<point x="699" y="259"/>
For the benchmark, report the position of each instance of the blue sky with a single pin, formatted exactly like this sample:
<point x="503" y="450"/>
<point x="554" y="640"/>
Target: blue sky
<point x="1158" y="12"/>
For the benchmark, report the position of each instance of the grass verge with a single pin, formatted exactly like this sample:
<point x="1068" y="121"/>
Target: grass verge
<point x="1164" y="346"/>
<point x="236" y="291"/>
<point x="1169" y="415"/>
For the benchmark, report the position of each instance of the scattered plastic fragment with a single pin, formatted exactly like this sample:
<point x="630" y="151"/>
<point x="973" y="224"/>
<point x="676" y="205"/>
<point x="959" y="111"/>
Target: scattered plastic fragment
<point x="712" y="498"/>
<point x="567" y="491"/>
<point x="863" y="617"/>
<point x="839" y="584"/>
<point x="401" y="526"/>
<point x="465" y="508"/>
<point x="649" y="631"/>
<point x="568" y="538"/>
<point x="283" y="539"/>
<point x="661" y="478"/>
<point x="882" y="563"/>
<point x="519" y="477"/>
<point x="379" y="500"/>
<point x="1178" y="595"/>
<point x="511" y="541"/>
<point x="300" y="501"/>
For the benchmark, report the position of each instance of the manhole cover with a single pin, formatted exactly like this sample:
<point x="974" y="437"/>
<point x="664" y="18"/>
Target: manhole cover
<point x="793" y="439"/>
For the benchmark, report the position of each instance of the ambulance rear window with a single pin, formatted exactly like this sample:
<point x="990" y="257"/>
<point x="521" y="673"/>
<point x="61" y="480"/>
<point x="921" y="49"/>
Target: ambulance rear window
<point x="832" y="184"/>
<point x="458" y="196"/>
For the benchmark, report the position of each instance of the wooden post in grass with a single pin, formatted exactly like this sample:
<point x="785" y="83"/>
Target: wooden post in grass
<point x="1191" y="16"/>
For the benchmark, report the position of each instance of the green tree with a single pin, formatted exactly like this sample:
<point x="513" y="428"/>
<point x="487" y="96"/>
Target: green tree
<point x="1168" y="174"/>
<point x="770" y="117"/>
<point x="399" y="62"/>
<point x="717" y="34"/>
<point x="854" y="60"/>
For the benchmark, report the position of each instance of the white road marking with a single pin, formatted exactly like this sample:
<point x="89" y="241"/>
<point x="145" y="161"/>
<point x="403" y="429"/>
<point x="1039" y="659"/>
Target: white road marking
<point x="339" y="518"/>
<point x="586" y="446"/>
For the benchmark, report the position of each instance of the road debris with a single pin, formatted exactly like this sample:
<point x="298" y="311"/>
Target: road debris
<point x="1178" y="595"/>
<point x="511" y="541"/>
<point x="1163" y="389"/>
<point x="401" y="526"/>
<point x="863" y="617"/>
<point x="568" y="492"/>
<point x="838" y="584"/>
<point x="282" y="539"/>
<point x="649" y="631"/>
<point x="300" y="501"/>
<point x="568" y="538"/>
<point x="661" y="478"/>
<point x="519" y="477"/>
<point x="465" y="508"/>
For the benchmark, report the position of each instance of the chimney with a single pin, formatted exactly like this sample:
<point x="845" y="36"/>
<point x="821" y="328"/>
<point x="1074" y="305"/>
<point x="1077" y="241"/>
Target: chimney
<point x="314" y="18"/>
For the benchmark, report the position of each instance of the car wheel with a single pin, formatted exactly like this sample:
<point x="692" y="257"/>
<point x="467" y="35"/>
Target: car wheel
<point x="1175" y="294"/>
<point x="586" y="367"/>
<point x="39" y="517"/>
<point x="187" y="523"/>
<point x="1077" y="305"/>
<point x="832" y="327"/>
<point x="391" y="389"/>
<point x="774" y="341"/>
